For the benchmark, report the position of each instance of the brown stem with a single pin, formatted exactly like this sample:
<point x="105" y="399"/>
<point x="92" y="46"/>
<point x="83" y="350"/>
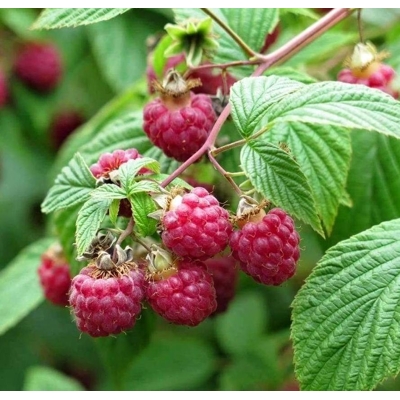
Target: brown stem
<point x="225" y="174"/>
<point x="287" y="50"/>
<point x="249" y="51"/>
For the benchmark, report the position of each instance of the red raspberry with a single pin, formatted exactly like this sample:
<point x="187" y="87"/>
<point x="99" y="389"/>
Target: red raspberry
<point x="112" y="161"/>
<point x="106" y="306"/>
<point x="55" y="278"/>
<point x="63" y="124"/>
<point x="196" y="226"/>
<point x="225" y="275"/>
<point x="268" y="250"/>
<point x="179" y="132"/>
<point x="185" y="298"/>
<point x="210" y="82"/>
<point x="3" y="89"/>
<point x="39" y="66"/>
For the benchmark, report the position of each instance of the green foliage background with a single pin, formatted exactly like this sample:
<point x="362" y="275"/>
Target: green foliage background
<point x="248" y="348"/>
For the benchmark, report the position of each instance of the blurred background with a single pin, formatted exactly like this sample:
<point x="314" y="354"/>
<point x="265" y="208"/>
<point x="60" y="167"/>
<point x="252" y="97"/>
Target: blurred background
<point x="102" y="67"/>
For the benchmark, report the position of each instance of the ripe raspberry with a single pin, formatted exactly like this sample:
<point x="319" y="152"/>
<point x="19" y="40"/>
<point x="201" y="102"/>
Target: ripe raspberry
<point x="63" y="124"/>
<point x="106" y="306"/>
<point x="112" y="161"/>
<point x="268" y="250"/>
<point x="224" y="273"/>
<point x="187" y="297"/>
<point x="55" y="277"/>
<point x="39" y="66"/>
<point x="3" y="89"/>
<point x="196" y="226"/>
<point x="178" y="122"/>
<point x="210" y="82"/>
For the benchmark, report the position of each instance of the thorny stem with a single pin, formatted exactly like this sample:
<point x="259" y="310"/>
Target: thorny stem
<point x="250" y="52"/>
<point x="287" y="50"/>
<point x="226" y="175"/>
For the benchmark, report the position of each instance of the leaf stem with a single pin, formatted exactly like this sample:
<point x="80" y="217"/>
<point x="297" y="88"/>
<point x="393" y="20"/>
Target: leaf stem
<point x="216" y="150"/>
<point x="125" y="233"/>
<point x="250" y="52"/>
<point x="225" y="174"/>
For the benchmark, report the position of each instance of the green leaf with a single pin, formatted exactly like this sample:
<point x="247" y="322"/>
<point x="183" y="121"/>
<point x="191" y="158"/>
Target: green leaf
<point x="168" y="164"/>
<point x="119" y="353"/>
<point x="295" y="74"/>
<point x="373" y="185"/>
<point x="176" y="182"/>
<point x="20" y="290"/>
<point x="90" y="217"/>
<point x="119" y="46"/>
<point x="340" y="104"/>
<point x="52" y="18"/>
<point x="18" y="19"/>
<point x="108" y="191"/>
<point x="142" y="206"/>
<point x="323" y="153"/>
<point x="72" y="186"/>
<point x="242" y="324"/>
<point x="48" y="379"/>
<point x="172" y="363"/>
<point x="113" y="211"/>
<point x="346" y="317"/>
<point x="278" y="177"/>
<point x="251" y="98"/>
<point x="129" y="170"/>
<point x="144" y="186"/>
<point x="244" y="20"/>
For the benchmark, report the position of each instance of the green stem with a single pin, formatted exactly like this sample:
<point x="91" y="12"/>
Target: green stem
<point x="250" y="52"/>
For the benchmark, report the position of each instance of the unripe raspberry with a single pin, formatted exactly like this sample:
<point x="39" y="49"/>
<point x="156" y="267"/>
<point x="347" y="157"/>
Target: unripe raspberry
<point x="63" y="124"/>
<point x="3" y="89"/>
<point x="54" y="276"/>
<point x="39" y="66"/>
<point x="178" y="122"/>
<point x="106" y="306"/>
<point x="196" y="226"/>
<point x="185" y="297"/>
<point x="268" y="250"/>
<point x="225" y="274"/>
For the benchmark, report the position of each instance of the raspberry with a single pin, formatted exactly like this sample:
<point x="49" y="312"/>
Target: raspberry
<point x="210" y="83"/>
<point x="106" y="306"/>
<point x="3" y="89"/>
<point x="268" y="250"/>
<point x="179" y="122"/>
<point x="112" y="161"/>
<point x="224" y="274"/>
<point x="63" y="124"/>
<point x="39" y="66"/>
<point x="187" y="297"/>
<point x="196" y="226"/>
<point x="54" y="276"/>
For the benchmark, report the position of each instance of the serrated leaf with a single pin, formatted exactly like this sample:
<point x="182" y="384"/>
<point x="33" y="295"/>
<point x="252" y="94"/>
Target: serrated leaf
<point x="144" y="186"/>
<point x="251" y="98"/>
<point x="340" y="104"/>
<point x="242" y="324"/>
<point x="20" y="290"/>
<point x="373" y="185"/>
<point x="244" y="20"/>
<point x="108" y="191"/>
<point x="72" y="186"/>
<point x="142" y="206"/>
<point x="176" y="182"/>
<point x="129" y="170"/>
<point x="90" y="217"/>
<point x="346" y="317"/>
<point x="167" y="164"/>
<point x="275" y="174"/>
<point x="48" y="379"/>
<point x="323" y="153"/>
<point x="52" y="18"/>
<point x="295" y="74"/>
<point x="113" y="211"/>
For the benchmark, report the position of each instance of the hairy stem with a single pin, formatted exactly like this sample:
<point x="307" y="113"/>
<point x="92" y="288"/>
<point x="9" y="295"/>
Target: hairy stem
<point x="226" y="174"/>
<point x="125" y="233"/>
<point x="287" y="50"/>
<point x="250" y="52"/>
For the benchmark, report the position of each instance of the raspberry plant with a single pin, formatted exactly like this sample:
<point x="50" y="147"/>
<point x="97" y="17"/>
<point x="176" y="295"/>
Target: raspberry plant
<point x="241" y="142"/>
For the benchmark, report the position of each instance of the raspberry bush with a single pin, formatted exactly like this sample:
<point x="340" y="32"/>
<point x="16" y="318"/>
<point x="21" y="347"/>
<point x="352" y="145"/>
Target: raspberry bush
<point x="223" y="211"/>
